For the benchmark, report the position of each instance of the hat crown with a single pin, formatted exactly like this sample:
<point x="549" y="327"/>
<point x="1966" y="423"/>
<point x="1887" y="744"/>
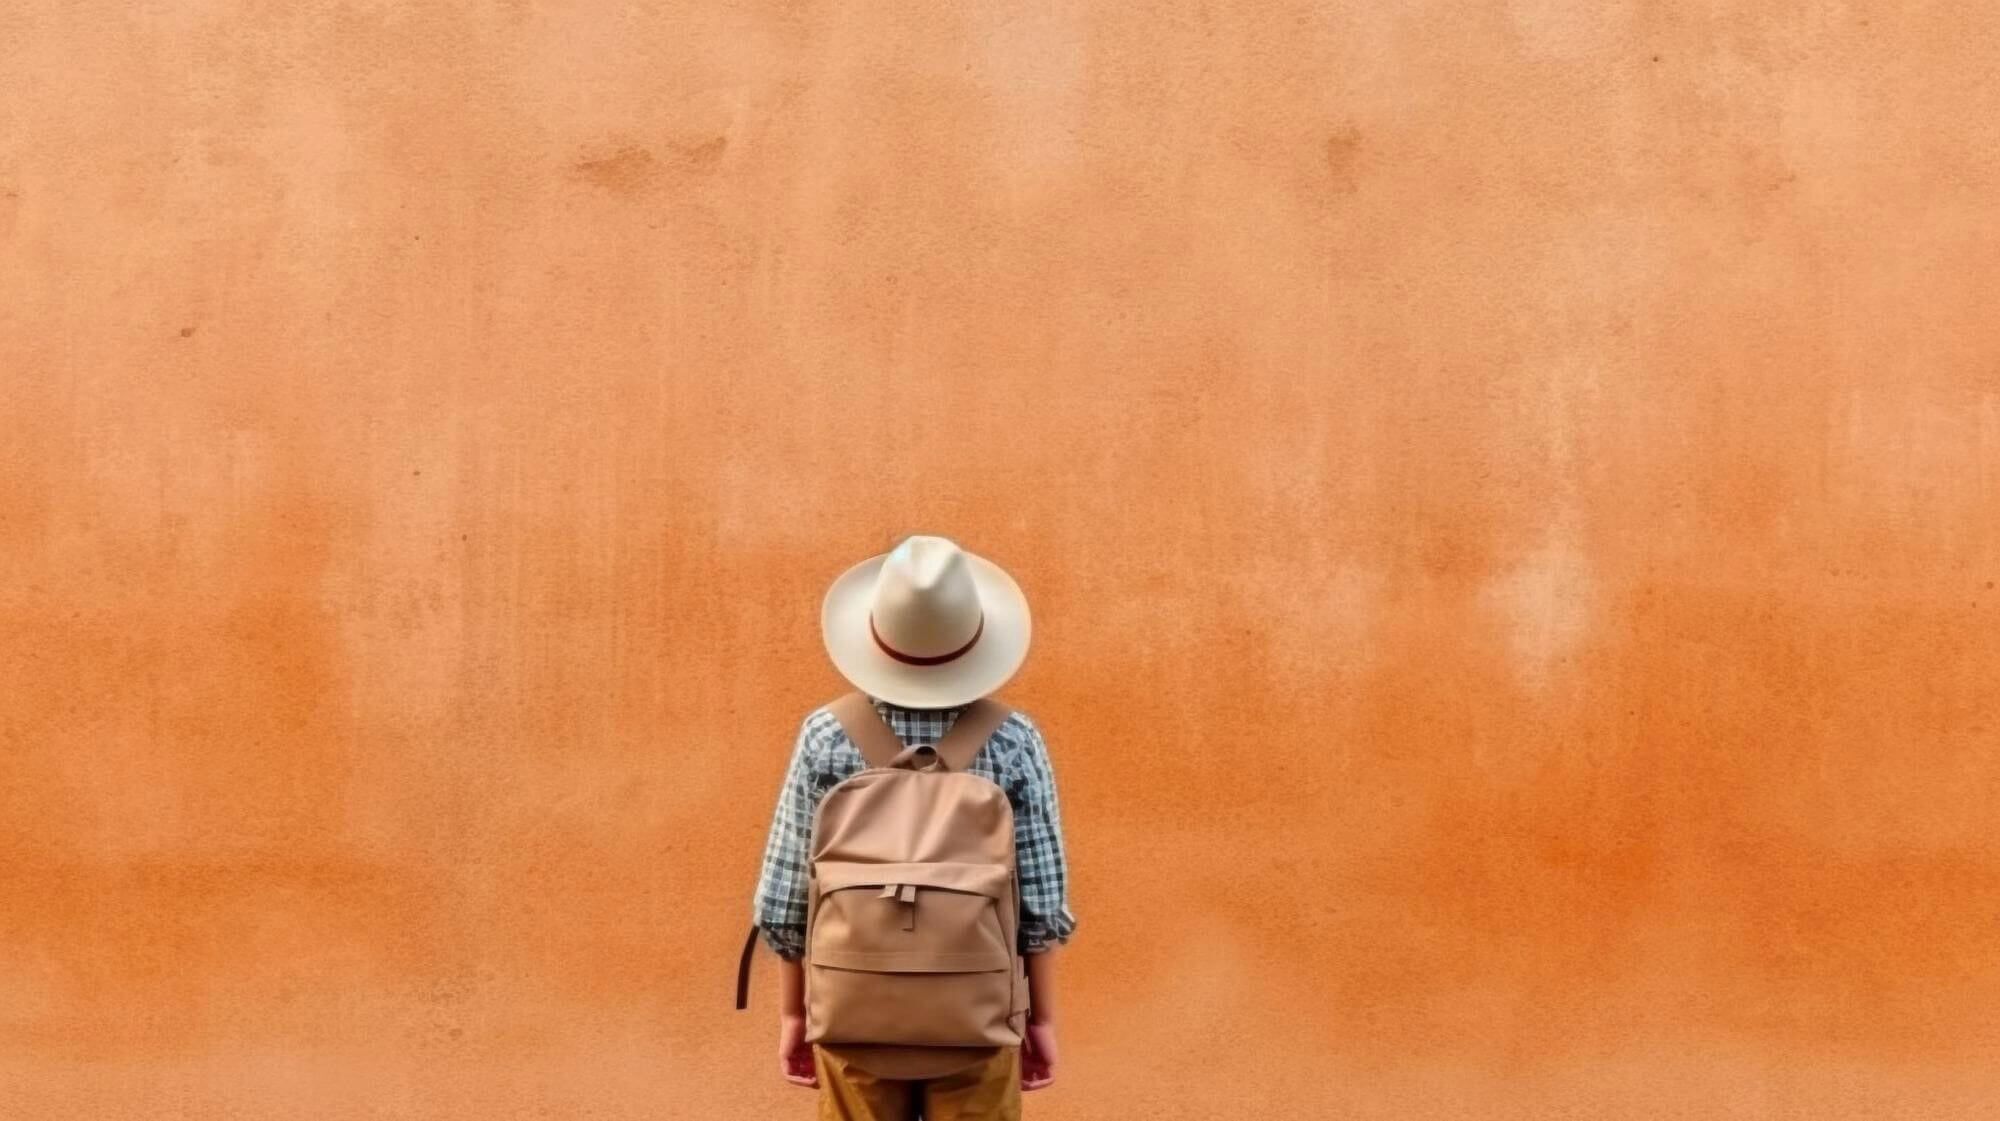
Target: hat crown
<point x="926" y="603"/>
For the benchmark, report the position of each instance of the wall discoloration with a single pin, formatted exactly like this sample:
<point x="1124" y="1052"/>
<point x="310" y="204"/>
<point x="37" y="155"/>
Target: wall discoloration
<point x="1508" y="495"/>
<point x="1544" y="604"/>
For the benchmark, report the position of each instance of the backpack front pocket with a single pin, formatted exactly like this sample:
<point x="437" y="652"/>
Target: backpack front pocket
<point x="909" y="953"/>
<point x="923" y="918"/>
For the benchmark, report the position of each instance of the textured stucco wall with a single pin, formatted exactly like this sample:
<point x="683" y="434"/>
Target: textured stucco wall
<point x="1508" y="491"/>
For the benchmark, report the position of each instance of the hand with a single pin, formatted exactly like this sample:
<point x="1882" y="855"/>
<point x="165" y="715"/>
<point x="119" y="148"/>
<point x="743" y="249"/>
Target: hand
<point x="795" y="1055"/>
<point x="1038" y="1055"/>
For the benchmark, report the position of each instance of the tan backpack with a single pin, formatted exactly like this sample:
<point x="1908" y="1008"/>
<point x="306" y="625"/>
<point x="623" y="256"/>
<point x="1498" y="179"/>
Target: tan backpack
<point x="913" y="908"/>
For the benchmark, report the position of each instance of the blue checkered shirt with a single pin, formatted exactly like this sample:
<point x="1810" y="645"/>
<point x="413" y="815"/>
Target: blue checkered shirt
<point x="1014" y="757"/>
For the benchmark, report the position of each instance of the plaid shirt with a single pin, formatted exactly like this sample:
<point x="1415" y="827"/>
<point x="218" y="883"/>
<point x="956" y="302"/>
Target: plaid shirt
<point x="1013" y="757"/>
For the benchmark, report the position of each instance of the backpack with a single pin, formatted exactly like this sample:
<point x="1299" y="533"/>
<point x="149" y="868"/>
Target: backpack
<point x="913" y="903"/>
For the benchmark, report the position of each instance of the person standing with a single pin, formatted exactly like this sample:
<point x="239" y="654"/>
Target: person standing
<point x="923" y="632"/>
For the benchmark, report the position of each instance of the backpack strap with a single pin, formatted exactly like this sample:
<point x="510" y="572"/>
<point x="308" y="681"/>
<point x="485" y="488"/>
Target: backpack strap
<point x="970" y="731"/>
<point x="871" y="734"/>
<point x="743" y="970"/>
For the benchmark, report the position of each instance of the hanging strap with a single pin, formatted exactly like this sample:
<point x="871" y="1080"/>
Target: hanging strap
<point x="870" y="734"/>
<point x="743" y="970"/>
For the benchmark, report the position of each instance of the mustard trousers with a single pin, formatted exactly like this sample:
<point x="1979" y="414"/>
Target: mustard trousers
<point x="989" y="1091"/>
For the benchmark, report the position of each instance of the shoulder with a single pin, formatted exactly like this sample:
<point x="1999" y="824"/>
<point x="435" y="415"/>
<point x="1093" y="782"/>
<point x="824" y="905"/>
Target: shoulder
<point x="1017" y="745"/>
<point x="820" y="731"/>
<point x="1019" y="730"/>
<point x="823" y="755"/>
<point x="820" y="740"/>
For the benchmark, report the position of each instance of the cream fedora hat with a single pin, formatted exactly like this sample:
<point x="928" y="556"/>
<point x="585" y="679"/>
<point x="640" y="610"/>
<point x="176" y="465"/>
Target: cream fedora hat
<point x="925" y="625"/>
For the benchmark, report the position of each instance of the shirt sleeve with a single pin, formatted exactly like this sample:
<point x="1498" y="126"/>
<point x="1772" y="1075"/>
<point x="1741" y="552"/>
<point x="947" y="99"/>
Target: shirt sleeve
<point x="1040" y="854"/>
<point x="780" y="907"/>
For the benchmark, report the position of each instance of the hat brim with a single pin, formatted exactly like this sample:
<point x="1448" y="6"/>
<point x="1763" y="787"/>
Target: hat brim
<point x="1002" y="645"/>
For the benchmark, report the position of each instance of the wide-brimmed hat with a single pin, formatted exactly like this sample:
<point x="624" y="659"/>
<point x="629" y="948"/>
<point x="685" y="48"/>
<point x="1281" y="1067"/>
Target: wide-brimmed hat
<point x="925" y="625"/>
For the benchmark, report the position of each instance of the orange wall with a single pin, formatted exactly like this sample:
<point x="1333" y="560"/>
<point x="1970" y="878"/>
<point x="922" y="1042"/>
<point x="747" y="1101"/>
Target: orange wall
<point x="1508" y="492"/>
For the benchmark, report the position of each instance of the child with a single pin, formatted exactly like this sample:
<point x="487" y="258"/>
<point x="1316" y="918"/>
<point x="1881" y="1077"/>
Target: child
<point x="923" y="631"/>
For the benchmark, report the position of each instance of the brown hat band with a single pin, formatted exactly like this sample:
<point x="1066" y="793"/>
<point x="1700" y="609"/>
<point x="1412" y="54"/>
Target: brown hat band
<point x="913" y="659"/>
